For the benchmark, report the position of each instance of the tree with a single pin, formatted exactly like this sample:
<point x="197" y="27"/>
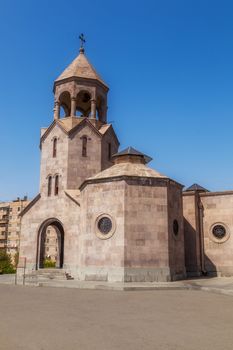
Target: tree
<point x="6" y="265"/>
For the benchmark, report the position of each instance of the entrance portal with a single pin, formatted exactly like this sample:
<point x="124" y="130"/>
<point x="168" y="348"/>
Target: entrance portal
<point x="50" y="244"/>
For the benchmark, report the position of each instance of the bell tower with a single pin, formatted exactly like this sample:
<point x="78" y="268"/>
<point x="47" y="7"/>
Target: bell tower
<point x="80" y="142"/>
<point x="79" y="91"/>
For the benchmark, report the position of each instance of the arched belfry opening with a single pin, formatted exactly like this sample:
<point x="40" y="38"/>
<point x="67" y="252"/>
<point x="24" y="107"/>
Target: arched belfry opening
<point x="64" y="104"/>
<point x="50" y="244"/>
<point x="83" y="104"/>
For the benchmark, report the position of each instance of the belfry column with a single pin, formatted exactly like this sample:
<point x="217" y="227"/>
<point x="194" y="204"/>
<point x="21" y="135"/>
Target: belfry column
<point x="57" y="110"/>
<point x="93" y="108"/>
<point x="73" y="106"/>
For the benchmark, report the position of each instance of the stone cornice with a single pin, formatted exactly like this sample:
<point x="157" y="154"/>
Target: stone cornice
<point x="80" y="80"/>
<point x="132" y="180"/>
<point x="208" y="194"/>
<point x="213" y="194"/>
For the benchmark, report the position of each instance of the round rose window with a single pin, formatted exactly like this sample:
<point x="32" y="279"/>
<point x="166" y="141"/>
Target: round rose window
<point x="104" y="225"/>
<point x="219" y="231"/>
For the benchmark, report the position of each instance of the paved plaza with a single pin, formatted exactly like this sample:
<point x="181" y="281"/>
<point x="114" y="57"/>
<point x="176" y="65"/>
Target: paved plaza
<point x="34" y="318"/>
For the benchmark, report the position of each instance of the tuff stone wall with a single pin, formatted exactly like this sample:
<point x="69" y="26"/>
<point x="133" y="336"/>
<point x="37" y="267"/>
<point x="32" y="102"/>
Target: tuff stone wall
<point x="176" y="238"/>
<point x="109" y="138"/>
<point x="218" y="208"/>
<point x="80" y="167"/>
<point x="60" y="208"/>
<point x="146" y="233"/>
<point x="53" y="166"/>
<point x="191" y="233"/>
<point x="102" y="259"/>
<point x="142" y="213"/>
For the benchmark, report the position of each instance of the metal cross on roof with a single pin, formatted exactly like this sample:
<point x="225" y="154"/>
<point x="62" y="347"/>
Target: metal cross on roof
<point x="82" y="39"/>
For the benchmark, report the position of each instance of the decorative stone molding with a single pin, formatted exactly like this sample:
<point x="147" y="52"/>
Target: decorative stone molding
<point x="216" y="239"/>
<point x="105" y="226"/>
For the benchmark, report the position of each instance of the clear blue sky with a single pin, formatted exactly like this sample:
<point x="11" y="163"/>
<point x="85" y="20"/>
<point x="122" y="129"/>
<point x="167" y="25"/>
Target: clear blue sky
<point x="169" y="65"/>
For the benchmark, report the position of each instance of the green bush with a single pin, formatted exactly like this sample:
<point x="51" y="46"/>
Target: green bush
<point x="6" y="265"/>
<point x="49" y="263"/>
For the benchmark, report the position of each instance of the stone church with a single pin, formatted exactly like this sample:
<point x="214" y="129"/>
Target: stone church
<point x="115" y="218"/>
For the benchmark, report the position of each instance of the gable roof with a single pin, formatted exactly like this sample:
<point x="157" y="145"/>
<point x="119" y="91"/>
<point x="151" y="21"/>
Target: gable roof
<point x="71" y="124"/>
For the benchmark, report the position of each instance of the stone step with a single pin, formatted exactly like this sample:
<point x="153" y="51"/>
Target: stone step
<point x="44" y="275"/>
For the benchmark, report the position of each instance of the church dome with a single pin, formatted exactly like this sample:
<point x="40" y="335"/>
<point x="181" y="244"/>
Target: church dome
<point x="128" y="169"/>
<point x="129" y="162"/>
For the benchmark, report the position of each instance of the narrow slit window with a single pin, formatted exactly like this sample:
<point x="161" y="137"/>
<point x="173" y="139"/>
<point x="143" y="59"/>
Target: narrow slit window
<point x="55" y="148"/>
<point x="84" y="146"/>
<point x="109" y="151"/>
<point x="49" y="185"/>
<point x="56" y="188"/>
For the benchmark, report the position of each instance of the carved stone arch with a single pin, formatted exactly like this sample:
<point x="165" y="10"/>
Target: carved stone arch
<point x="64" y="87"/>
<point x="41" y="236"/>
<point x="87" y="89"/>
<point x="83" y="101"/>
<point x="54" y="137"/>
<point x="65" y="102"/>
<point x="56" y="174"/>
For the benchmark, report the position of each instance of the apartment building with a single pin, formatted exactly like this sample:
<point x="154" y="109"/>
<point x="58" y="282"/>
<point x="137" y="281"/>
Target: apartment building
<point x="51" y="244"/>
<point x="10" y="224"/>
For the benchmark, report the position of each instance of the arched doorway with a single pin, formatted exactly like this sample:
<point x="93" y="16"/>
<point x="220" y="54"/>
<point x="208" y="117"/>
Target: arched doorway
<point x="56" y="227"/>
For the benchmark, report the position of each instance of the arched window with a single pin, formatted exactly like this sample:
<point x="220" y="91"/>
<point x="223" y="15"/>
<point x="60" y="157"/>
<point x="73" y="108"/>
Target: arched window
<point x="55" y="148"/>
<point x="84" y="146"/>
<point x="56" y="187"/>
<point x="49" y="186"/>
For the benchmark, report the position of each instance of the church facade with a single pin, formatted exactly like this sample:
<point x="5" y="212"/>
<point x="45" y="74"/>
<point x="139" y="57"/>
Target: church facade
<point x="115" y="218"/>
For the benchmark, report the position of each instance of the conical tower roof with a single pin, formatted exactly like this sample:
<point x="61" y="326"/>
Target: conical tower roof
<point x="80" y="68"/>
<point x="132" y="152"/>
<point x="196" y="187"/>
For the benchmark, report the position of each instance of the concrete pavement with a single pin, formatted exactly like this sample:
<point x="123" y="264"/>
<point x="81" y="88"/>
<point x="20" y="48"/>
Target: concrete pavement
<point x="68" y="318"/>
<point x="220" y="285"/>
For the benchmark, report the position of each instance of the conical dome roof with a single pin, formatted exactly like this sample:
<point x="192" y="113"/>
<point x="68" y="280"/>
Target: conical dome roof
<point x="80" y="68"/>
<point x="196" y="187"/>
<point x="128" y="169"/>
